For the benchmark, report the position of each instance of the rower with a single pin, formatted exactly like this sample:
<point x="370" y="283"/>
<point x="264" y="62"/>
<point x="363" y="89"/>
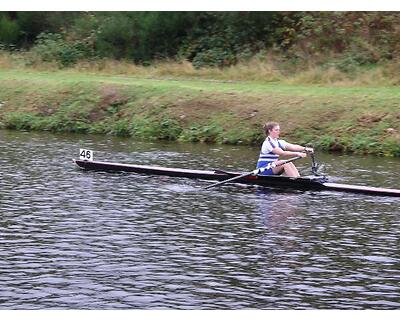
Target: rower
<point x="273" y="147"/>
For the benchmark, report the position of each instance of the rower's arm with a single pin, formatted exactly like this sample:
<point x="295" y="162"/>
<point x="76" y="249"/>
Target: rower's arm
<point x="283" y="153"/>
<point x="296" y="147"/>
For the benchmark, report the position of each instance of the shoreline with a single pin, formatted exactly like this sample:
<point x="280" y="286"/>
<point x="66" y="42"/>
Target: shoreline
<point x="361" y="120"/>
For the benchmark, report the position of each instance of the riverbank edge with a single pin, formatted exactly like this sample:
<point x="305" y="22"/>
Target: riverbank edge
<point x="348" y="120"/>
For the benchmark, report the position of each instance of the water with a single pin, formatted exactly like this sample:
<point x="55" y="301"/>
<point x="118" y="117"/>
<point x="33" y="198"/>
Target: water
<point x="71" y="239"/>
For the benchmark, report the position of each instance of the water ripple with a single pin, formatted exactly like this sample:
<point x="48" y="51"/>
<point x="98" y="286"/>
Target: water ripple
<point x="87" y="240"/>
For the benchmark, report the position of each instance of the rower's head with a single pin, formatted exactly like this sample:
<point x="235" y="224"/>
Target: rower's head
<point x="272" y="129"/>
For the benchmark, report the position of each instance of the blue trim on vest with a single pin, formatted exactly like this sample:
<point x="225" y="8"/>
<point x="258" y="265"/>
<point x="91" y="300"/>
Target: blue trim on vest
<point x="267" y="172"/>
<point x="272" y="145"/>
<point x="270" y="155"/>
<point x="265" y="158"/>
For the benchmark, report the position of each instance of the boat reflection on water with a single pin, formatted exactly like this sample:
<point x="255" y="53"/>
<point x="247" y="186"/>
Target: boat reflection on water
<point x="277" y="206"/>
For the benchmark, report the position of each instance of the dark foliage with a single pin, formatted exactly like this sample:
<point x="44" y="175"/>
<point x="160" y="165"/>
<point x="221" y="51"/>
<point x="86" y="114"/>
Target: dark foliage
<point x="206" y="38"/>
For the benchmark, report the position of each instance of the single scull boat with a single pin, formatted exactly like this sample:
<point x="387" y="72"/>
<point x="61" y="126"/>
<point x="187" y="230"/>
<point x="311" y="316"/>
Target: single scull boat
<point x="315" y="183"/>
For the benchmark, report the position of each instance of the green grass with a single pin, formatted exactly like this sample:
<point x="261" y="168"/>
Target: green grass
<point x="348" y="119"/>
<point x="166" y="86"/>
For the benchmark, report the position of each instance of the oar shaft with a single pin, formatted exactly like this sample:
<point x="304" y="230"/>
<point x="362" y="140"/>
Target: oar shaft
<point x="254" y="172"/>
<point x="228" y="180"/>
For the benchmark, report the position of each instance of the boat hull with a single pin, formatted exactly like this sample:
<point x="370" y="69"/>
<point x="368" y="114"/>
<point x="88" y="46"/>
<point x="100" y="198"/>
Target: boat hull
<point x="313" y="183"/>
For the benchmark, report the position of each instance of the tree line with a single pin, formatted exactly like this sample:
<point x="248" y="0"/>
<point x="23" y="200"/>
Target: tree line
<point x="204" y="38"/>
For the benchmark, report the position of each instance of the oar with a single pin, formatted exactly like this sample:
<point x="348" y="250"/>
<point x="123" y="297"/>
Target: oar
<point x="314" y="165"/>
<point x="254" y="172"/>
<point x="223" y="172"/>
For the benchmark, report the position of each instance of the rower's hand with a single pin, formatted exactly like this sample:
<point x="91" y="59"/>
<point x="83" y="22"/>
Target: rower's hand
<point x="308" y="150"/>
<point x="302" y="154"/>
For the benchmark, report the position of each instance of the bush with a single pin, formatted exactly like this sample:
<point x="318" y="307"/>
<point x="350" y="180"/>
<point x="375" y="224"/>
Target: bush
<point x="153" y="128"/>
<point x="356" y="55"/>
<point x="220" y="39"/>
<point x="202" y="133"/>
<point x="19" y="121"/>
<point x="326" y="142"/>
<point x="51" y="47"/>
<point x="9" y="30"/>
<point x="214" y="58"/>
<point x="120" y="128"/>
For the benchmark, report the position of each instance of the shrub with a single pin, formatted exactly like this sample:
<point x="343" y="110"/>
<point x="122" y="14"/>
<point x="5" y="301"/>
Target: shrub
<point x="120" y="128"/>
<point x="153" y="128"/>
<point x="51" y="47"/>
<point x="19" y="121"/>
<point x="217" y="57"/>
<point x="9" y="30"/>
<point x="326" y="142"/>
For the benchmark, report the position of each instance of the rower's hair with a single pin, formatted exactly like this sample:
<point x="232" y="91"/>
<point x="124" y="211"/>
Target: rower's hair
<point x="269" y="126"/>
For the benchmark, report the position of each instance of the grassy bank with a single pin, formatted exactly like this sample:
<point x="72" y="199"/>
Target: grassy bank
<point x="340" y="118"/>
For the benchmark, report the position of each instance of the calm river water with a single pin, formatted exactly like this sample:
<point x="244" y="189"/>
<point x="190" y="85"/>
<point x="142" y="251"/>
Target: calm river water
<point x="71" y="239"/>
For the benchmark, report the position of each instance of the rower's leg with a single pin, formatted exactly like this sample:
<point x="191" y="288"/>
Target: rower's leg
<point x="291" y="170"/>
<point x="278" y="170"/>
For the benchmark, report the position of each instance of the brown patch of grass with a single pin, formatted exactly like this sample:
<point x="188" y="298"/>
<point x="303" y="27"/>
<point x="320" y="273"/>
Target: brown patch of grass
<point x="369" y="118"/>
<point x="110" y="95"/>
<point x="45" y="109"/>
<point x="317" y="75"/>
<point x="5" y="60"/>
<point x="110" y="101"/>
<point x="108" y="66"/>
<point x="265" y="67"/>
